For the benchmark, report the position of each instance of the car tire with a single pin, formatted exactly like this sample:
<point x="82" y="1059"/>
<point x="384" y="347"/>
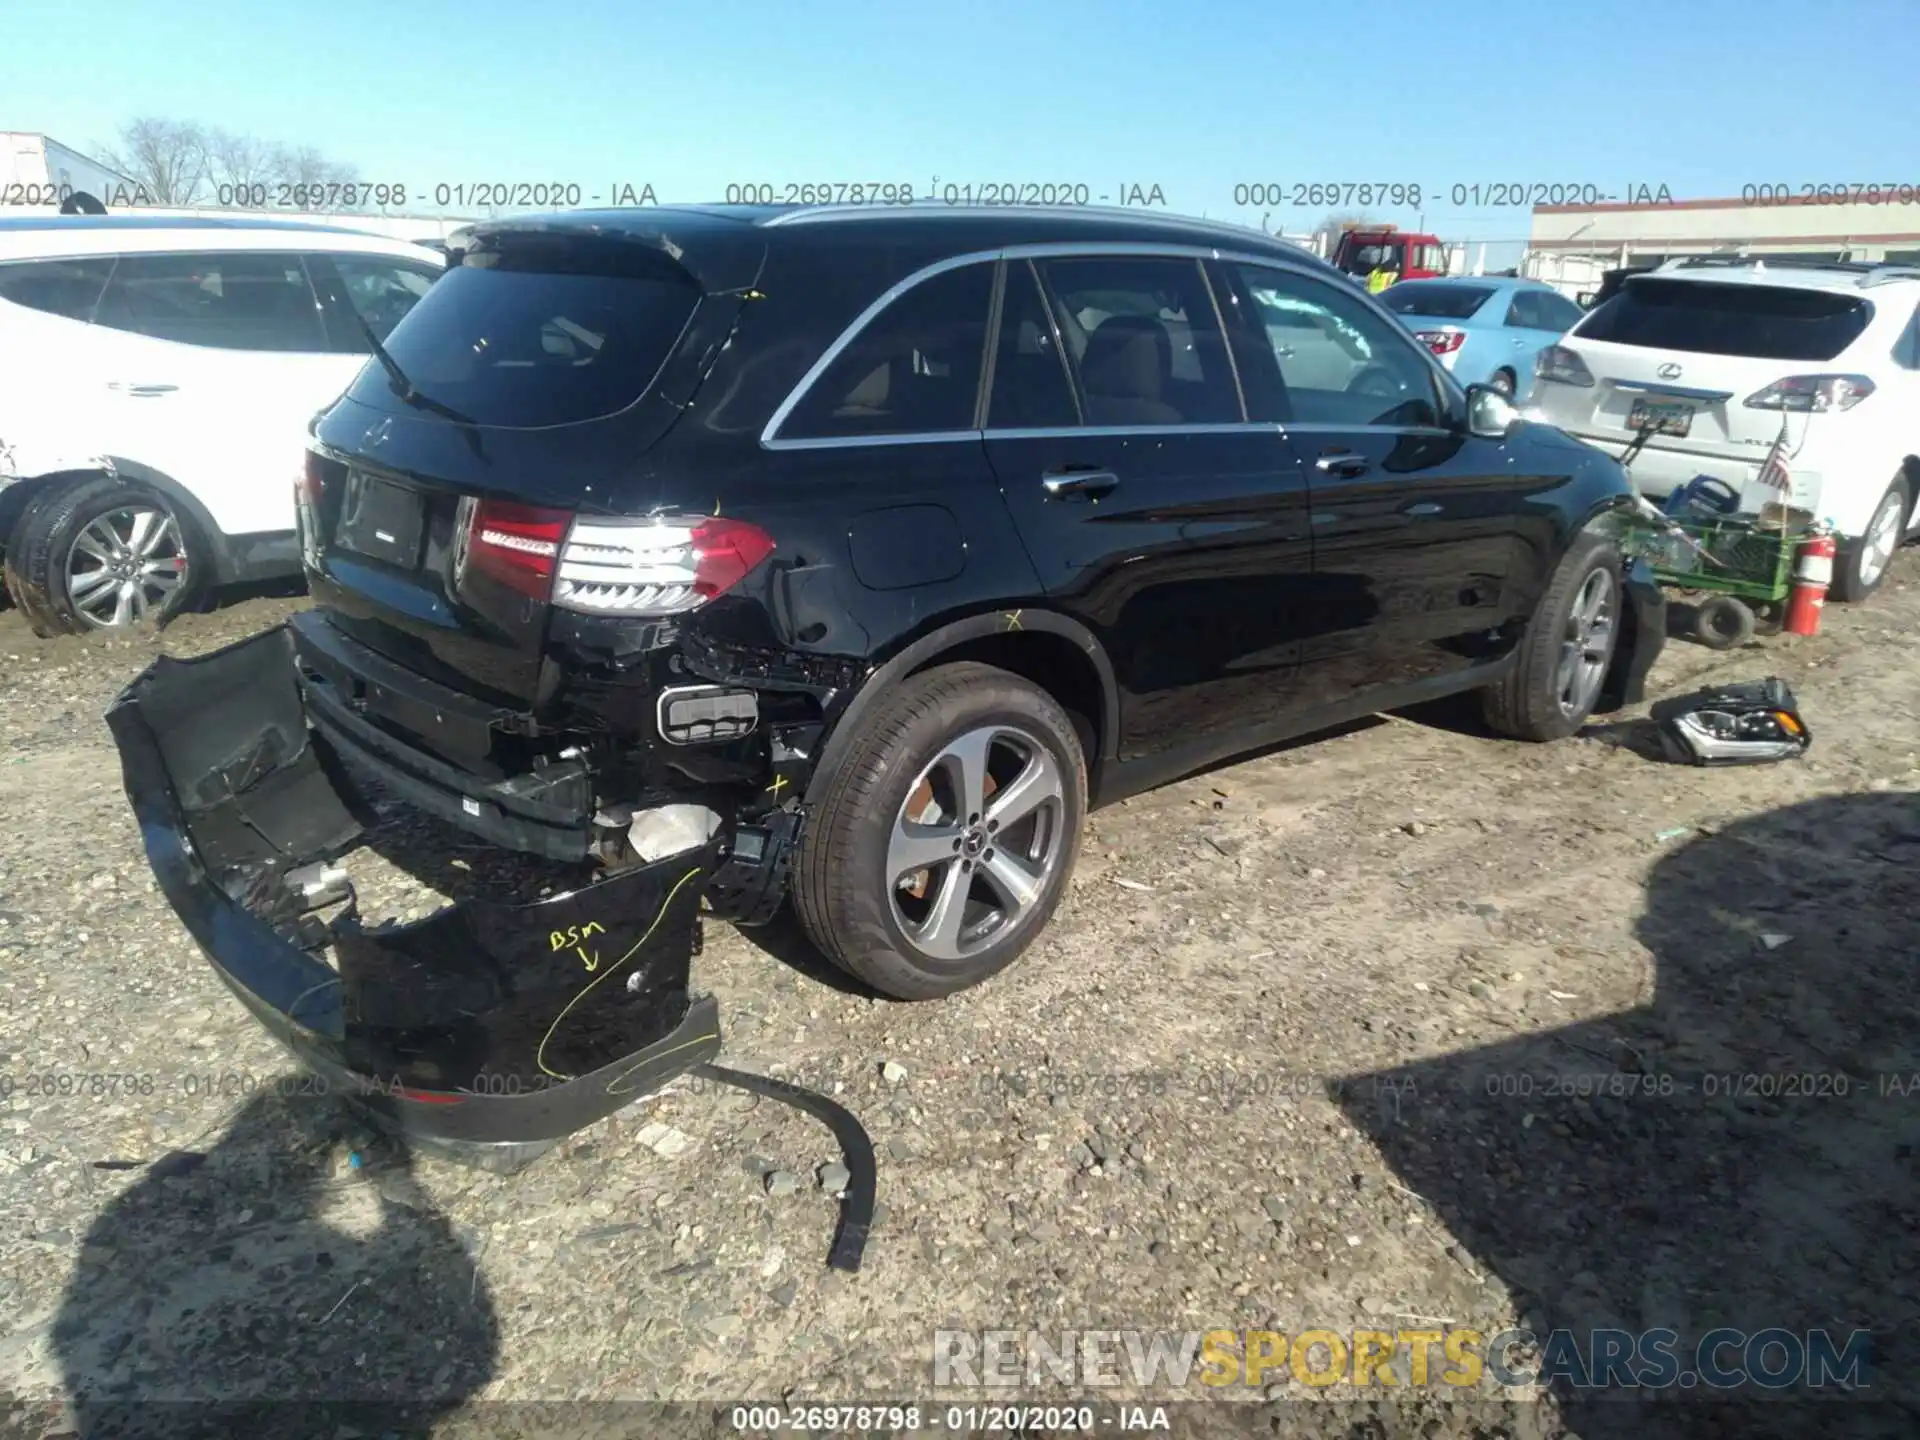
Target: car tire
<point x="1504" y="382"/>
<point x="899" y="796"/>
<point x="1560" y="667"/>
<point x="54" y="546"/>
<point x="1864" y="561"/>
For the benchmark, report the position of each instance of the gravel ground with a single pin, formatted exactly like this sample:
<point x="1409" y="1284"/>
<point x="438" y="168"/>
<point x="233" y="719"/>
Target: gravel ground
<point x="1285" y="1059"/>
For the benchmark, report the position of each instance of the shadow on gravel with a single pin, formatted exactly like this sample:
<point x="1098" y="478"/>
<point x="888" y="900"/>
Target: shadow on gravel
<point x="249" y="1291"/>
<point x="1739" y="1152"/>
<point x="783" y="938"/>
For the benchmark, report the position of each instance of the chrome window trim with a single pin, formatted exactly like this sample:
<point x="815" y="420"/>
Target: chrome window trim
<point x="1105" y="432"/>
<point x="841" y="442"/>
<point x="770" y="432"/>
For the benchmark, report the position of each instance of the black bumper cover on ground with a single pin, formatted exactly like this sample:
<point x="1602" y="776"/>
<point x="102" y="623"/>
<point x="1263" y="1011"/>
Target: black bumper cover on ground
<point x="487" y="1026"/>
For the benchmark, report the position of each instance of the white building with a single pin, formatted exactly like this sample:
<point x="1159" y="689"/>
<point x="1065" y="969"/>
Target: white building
<point x="1573" y="245"/>
<point x="38" y="172"/>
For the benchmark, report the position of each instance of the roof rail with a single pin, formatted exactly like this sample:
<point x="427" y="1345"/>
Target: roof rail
<point x="1871" y="272"/>
<point x="817" y="214"/>
<point x="1887" y="274"/>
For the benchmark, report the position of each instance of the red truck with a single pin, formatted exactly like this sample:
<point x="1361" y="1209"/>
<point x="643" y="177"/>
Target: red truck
<point x="1402" y="255"/>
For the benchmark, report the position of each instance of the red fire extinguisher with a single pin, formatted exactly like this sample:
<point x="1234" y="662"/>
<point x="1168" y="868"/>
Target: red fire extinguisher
<point x="1812" y="574"/>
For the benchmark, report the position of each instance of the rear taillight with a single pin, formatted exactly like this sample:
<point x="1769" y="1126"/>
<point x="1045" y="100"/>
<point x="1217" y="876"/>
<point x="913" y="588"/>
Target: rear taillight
<point x="311" y="483"/>
<point x="516" y="545"/>
<point x="1562" y="365"/>
<point x="1441" y="342"/>
<point x="308" y="486"/>
<point x="1812" y="392"/>
<point x="660" y="566"/>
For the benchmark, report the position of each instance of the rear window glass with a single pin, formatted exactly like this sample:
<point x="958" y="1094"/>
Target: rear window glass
<point x="1444" y="302"/>
<point x="538" y="330"/>
<point x="59" y="287"/>
<point x="1755" y="322"/>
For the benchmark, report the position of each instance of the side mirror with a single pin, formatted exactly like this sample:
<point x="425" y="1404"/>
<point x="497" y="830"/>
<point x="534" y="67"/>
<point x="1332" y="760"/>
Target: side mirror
<point x="1490" y="415"/>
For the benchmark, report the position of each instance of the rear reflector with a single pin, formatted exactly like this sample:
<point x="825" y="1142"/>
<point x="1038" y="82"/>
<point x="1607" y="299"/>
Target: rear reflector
<point x="516" y="545"/>
<point x="661" y="566"/>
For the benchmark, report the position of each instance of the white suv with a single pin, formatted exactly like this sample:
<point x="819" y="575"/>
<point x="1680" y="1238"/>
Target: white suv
<point x="1718" y="355"/>
<point x="157" y="376"/>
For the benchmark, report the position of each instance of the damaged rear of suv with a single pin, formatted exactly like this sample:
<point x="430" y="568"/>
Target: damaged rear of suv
<point x="721" y="555"/>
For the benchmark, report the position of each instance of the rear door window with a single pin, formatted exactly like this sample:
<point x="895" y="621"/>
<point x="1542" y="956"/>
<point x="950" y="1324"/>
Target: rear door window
<point x="1032" y="389"/>
<point x="1144" y="342"/>
<point x="1524" y="312"/>
<point x="537" y="329"/>
<point x="1753" y="322"/>
<point x="1541" y="310"/>
<point x="224" y="301"/>
<point x="59" y="287"/>
<point x="913" y="369"/>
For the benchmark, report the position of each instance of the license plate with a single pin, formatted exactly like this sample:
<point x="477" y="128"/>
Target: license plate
<point x="381" y="520"/>
<point x="1662" y="417"/>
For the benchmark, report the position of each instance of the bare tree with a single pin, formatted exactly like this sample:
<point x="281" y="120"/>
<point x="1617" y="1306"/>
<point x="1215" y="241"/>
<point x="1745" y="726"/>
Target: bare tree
<point x="167" y="158"/>
<point x="240" y="167"/>
<point x="178" y="162"/>
<point x="307" y="166"/>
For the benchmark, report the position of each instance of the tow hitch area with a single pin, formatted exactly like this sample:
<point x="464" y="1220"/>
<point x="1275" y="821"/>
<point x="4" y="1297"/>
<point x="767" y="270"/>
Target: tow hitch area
<point x="487" y="1031"/>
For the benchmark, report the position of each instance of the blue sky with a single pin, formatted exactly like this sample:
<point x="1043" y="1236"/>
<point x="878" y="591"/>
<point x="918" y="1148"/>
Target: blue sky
<point x="1702" y="96"/>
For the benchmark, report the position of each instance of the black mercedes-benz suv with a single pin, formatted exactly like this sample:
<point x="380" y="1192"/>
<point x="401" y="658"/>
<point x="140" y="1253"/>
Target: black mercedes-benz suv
<point x="720" y="554"/>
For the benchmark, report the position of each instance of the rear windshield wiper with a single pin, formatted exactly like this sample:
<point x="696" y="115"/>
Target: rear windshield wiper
<point x="405" y="388"/>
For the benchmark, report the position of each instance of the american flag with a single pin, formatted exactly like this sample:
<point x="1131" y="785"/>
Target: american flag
<point x="1773" y="470"/>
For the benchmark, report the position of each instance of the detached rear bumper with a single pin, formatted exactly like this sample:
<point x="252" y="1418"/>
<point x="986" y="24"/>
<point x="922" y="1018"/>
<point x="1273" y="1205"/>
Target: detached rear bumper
<point x="487" y="1027"/>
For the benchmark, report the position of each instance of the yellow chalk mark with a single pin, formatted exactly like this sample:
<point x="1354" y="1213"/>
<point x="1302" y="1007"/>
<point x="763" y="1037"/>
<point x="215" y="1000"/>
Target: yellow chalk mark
<point x="779" y="784"/>
<point x="614" y="1086"/>
<point x="1013" y="619"/>
<point x="540" y="1054"/>
<point x="592" y="962"/>
<point x="558" y="940"/>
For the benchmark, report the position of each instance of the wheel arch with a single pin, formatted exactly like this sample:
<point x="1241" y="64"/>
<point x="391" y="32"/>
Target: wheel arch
<point x="16" y="499"/>
<point x="1054" y="651"/>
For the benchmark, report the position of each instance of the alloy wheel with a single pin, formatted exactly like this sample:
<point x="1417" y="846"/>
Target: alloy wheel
<point x="1587" y="645"/>
<point x="976" y="842"/>
<point x="1880" y="541"/>
<point x="125" y="566"/>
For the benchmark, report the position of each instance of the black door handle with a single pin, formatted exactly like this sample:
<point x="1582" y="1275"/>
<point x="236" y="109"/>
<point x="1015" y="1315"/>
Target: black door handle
<point x="1091" y="483"/>
<point x="1343" y="464"/>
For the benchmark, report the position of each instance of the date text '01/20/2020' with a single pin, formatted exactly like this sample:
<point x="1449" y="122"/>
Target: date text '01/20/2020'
<point x="1012" y="193"/>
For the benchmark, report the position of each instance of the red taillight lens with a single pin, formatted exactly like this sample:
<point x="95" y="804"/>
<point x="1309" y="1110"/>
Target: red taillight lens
<point x="516" y="545"/>
<point x="1812" y="393"/>
<point x="723" y="552"/>
<point x="1441" y="342"/>
<point x="661" y="566"/>
<point x="311" y="483"/>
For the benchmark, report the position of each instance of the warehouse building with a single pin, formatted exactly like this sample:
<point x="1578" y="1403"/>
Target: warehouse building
<point x="1572" y="246"/>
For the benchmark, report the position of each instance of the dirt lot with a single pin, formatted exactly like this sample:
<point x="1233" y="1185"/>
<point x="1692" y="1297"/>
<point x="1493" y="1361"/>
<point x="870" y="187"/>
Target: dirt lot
<point x="1285" y="1060"/>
